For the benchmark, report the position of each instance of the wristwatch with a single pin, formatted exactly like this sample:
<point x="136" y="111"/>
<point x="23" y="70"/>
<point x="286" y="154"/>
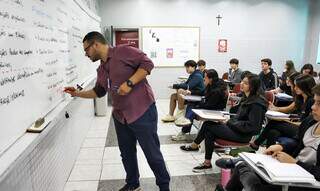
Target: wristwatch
<point x="129" y="83"/>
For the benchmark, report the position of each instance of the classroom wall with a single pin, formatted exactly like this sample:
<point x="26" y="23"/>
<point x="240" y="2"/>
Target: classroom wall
<point x="254" y="29"/>
<point x="312" y="41"/>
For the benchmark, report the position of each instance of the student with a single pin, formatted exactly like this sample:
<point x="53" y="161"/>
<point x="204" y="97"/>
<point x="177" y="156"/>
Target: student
<point x="307" y="69"/>
<point x="240" y="128"/>
<point x="194" y="85"/>
<point x="215" y="99"/>
<point x="269" y="79"/>
<point x="301" y="106"/>
<point x="288" y="87"/>
<point x="288" y="70"/>
<point x="306" y="155"/>
<point x="201" y="66"/>
<point x="234" y="74"/>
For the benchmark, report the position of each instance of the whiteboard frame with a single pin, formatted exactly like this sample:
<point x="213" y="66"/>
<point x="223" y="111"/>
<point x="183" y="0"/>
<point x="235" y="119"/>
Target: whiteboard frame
<point x="185" y="27"/>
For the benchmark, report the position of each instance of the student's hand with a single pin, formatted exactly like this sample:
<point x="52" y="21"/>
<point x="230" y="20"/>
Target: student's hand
<point x="232" y="94"/>
<point x="272" y="107"/>
<point x="285" y="158"/>
<point x="188" y="92"/>
<point x="124" y="89"/>
<point x="273" y="149"/>
<point x="71" y="90"/>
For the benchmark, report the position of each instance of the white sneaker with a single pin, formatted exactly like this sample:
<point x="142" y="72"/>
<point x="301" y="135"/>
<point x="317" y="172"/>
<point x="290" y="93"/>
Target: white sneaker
<point x="182" y="121"/>
<point x="179" y="114"/>
<point x="168" y="118"/>
<point x="179" y="137"/>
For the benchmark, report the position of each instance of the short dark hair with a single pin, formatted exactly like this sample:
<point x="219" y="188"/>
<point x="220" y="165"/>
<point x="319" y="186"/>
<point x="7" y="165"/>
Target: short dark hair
<point x="316" y="90"/>
<point x="244" y="74"/>
<point x="234" y="61"/>
<point x="191" y="63"/>
<point x="201" y="63"/>
<point x="94" y="36"/>
<point x="267" y="60"/>
<point x="306" y="67"/>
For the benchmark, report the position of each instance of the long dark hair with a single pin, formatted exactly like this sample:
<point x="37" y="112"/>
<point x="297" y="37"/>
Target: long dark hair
<point x="307" y="66"/>
<point x="254" y="84"/>
<point x="305" y="83"/>
<point x="212" y="74"/>
<point x="290" y="68"/>
<point x="291" y="79"/>
<point x="255" y="89"/>
<point x="216" y="81"/>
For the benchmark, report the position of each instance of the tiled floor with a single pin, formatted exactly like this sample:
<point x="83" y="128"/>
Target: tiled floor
<point x="99" y="165"/>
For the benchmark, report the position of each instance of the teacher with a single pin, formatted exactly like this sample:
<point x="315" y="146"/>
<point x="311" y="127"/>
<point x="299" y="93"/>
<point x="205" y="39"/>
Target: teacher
<point x="122" y="73"/>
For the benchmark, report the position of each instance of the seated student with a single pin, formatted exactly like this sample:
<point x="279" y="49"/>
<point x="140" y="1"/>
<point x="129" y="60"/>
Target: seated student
<point x="215" y="99"/>
<point x="234" y="74"/>
<point x="193" y="85"/>
<point x="288" y="70"/>
<point x="306" y="155"/>
<point x="201" y="66"/>
<point x="240" y="128"/>
<point x="269" y="79"/>
<point x="301" y="106"/>
<point x="307" y="69"/>
<point x="288" y="89"/>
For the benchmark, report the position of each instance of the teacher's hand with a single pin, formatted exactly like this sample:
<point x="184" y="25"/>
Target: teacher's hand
<point x="124" y="89"/>
<point x="71" y="90"/>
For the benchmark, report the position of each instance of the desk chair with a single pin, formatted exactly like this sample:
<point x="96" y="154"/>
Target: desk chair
<point x="225" y="76"/>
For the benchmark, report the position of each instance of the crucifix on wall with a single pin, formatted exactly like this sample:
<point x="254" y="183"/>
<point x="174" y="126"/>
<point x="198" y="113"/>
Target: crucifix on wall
<point x="219" y="17"/>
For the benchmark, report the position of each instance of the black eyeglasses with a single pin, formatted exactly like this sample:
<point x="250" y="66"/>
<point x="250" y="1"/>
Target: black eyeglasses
<point x="86" y="49"/>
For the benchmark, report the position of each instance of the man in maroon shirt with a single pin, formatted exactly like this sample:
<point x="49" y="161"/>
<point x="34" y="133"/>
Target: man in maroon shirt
<point x="122" y="73"/>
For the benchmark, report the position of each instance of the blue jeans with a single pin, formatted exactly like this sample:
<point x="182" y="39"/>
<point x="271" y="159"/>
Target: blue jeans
<point x="143" y="130"/>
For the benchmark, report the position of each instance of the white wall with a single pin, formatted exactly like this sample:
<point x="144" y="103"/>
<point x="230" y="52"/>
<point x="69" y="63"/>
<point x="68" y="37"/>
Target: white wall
<point x="254" y="29"/>
<point x="312" y="41"/>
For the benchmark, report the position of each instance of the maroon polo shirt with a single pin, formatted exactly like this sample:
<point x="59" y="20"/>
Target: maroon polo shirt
<point x="122" y="62"/>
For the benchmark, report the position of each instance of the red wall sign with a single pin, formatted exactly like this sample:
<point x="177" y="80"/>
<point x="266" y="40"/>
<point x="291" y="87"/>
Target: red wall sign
<point x="127" y="37"/>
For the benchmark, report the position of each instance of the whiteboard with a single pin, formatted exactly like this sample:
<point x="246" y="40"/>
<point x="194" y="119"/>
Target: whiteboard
<point x="40" y="53"/>
<point x="171" y="46"/>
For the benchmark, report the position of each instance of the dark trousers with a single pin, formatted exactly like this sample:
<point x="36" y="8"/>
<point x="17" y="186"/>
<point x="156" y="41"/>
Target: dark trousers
<point x="210" y="131"/>
<point x="191" y="116"/>
<point x="274" y="130"/>
<point x="244" y="177"/>
<point x="143" y="130"/>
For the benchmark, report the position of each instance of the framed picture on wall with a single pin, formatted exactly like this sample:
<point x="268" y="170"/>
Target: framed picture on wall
<point x="222" y="45"/>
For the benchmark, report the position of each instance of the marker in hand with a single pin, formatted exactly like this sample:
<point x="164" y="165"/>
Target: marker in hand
<point x="70" y="90"/>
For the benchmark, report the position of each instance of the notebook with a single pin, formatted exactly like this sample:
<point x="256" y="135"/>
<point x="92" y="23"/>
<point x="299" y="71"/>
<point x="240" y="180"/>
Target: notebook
<point x="210" y="114"/>
<point x="279" y="172"/>
<point x="284" y="96"/>
<point x="191" y="97"/>
<point x="277" y="114"/>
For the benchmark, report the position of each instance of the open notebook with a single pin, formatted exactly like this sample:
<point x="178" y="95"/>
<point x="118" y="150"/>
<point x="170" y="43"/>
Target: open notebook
<point x="277" y="171"/>
<point x="210" y="114"/>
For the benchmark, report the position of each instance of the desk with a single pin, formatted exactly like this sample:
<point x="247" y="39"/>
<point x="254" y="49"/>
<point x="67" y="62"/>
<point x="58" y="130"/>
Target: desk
<point x="264" y="176"/>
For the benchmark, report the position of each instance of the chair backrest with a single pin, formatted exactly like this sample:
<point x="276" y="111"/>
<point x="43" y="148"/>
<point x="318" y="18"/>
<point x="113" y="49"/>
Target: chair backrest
<point x="269" y="95"/>
<point x="225" y="76"/>
<point x="236" y="88"/>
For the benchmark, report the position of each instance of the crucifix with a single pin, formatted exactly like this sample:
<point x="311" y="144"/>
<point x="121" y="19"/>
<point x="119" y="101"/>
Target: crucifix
<point x="219" y="17"/>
